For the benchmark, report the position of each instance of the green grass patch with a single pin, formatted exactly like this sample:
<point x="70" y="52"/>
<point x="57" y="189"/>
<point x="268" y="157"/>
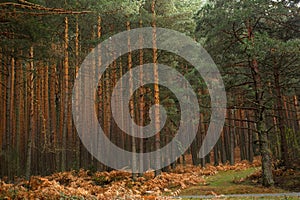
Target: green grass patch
<point x="226" y="178"/>
<point x="224" y="183"/>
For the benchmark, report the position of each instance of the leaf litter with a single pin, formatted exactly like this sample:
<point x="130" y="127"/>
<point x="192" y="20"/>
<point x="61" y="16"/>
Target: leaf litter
<point x="83" y="184"/>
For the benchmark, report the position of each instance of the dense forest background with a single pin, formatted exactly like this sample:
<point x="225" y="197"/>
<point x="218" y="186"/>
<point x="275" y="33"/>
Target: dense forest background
<point x="255" y="44"/>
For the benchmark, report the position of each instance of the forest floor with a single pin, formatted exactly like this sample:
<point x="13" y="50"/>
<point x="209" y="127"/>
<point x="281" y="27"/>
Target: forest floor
<point x="245" y="182"/>
<point x="187" y="180"/>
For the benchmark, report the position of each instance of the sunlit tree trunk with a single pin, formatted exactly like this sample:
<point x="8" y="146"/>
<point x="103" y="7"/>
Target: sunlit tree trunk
<point x="156" y="92"/>
<point x="11" y="117"/>
<point x="297" y="110"/>
<point x="66" y="95"/>
<point x="53" y="114"/>
<point x="31" y="116"/>
<point x="141" y="101"/>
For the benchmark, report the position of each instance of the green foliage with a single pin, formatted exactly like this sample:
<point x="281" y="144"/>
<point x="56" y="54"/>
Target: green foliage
<point x="224" y="28"/>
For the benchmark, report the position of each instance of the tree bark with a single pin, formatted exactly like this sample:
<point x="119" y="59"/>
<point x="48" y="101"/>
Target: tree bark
<point x="259" y="116"/>
<point x="31" y="117"/>
<point x="131" y="106"/>
<point x="141" y="103"/>
<point x="66" y="96"/>
<point x="156" y="93"/>
<point x="281" y="119"/>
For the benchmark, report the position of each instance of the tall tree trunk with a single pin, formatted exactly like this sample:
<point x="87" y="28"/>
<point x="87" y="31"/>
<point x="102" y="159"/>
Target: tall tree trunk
<point x="259" y="116"/>
<point x="5" y="114"/>
<point x="66" y="96"/>
<point x="53" y="115"/>
<point x="31" y="116"/>
<point x="261" y="129"/>
<point x="156" y="92"/>
<point x="141" y="102"/>
<point x="131" y="106"/>
<point x="11" y="121"/>
<point x="216" y="154"/>
<point x="2" y="111"/>
<point x="25" y="115"/>
<point x="123" y="124"/>
<point x="18" y="118"/>
<point x="297" y="110"/>
<point x="76" y="138"/>
<point x="281" y="119"/>
<point x="47" y="117"/>
<point x="232" y="130"/>
<point x="223" y="150"/>
<point x="250" y="137"/>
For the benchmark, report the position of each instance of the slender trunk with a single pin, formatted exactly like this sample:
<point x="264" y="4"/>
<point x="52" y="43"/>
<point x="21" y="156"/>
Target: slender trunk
<point x="156" y="92"/>
<point x="106" y="106"/>
<point x="100" y="89"/>
<point x="66" y="95"/>
<point x="25" y="114"/>
<point x="141" y="103"/>
<point x="76" y="138"/>
<point x="5" y="114"/>
<point x="297" y="125"/>
<point x="195" y="149"/>
<point x="123" y="135"/>
<point x="31" y="117"/>
<point x="216" y="154"/>
<point x="11" y="121"/>
<point x="223" y="147"/>
<point x="114" y="131"/>
<point x="202" y="130"/>
<point x="297" y="110"/>
<point x="18" y="118"/>
<point x="227" y="136"/>
<point x="276" y="147"/>
<point x="131" y="106"/>
<point x="2" y="111"/>
<point x="242" y="135"/>
<point x="47" y="115"/>
<point x="232" y="136"/>
<point x="195" y="146"/>
<point x="281" y="119"/>
<point x="250" y="141"/>
<point x="53" y="116"/>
